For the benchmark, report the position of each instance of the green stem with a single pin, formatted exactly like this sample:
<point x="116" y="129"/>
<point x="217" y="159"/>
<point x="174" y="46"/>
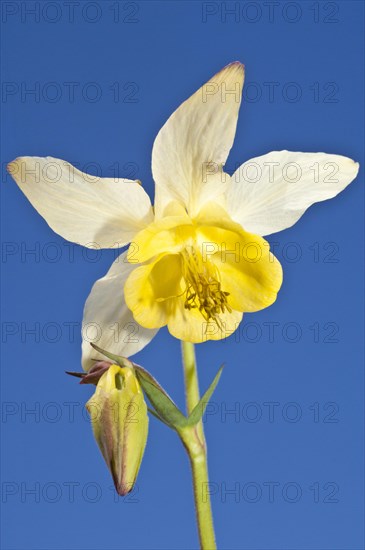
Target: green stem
<point x="194" y="441"/>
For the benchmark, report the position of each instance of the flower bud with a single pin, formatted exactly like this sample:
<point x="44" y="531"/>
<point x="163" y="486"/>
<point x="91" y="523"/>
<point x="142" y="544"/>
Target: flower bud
<point x="120" y="424"/>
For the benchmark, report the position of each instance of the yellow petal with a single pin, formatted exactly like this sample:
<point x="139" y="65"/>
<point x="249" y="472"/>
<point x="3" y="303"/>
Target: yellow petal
<point x="150" y="290"/>
<point x="189" y="324"/>
<point x="166" y="235"/>
<point x="248" y="270"/>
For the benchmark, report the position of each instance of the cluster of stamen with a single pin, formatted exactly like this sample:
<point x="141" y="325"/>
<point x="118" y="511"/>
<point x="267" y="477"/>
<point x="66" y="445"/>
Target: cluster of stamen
<point x="203" y="287"/>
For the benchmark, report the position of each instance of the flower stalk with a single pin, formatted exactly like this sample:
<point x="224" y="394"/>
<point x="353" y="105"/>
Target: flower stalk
<point x="194" y="441"/>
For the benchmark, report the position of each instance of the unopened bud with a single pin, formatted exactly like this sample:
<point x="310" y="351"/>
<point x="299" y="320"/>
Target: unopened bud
<point x="120" y="424"/>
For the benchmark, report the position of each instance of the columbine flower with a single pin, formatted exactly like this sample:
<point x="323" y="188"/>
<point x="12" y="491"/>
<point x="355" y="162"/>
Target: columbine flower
<point x="198" y="261"/>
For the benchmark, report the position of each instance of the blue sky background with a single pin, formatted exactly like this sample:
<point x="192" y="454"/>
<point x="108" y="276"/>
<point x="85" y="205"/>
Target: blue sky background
<point x="293" y="449"/>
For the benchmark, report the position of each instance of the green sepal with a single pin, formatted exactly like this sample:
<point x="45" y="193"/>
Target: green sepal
<point x="121" y="361"/>
<point x="199" y="409"/>
<point x="154" y="413"/>
<point x="165" y="408"/>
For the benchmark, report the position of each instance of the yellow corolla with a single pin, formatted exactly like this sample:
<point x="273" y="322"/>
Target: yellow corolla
<point x="197" y="259"/>
<point x="198" y="275"/>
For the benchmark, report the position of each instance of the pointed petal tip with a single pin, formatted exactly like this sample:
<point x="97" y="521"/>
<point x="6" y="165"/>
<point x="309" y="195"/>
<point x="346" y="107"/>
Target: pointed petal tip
<point x="122" y="490"/>
<point x="238" y="63"/>
<point x="234" y="70"/>
<point x="10" y="167"/>
<point x="235" y="64"/>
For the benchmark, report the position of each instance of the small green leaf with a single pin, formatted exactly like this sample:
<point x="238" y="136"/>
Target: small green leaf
<point x="121" y="361"/>
<point x="154" y="413"/>
<point x="163" y="404"/>
<point x="143" y="372"/>
<point x="199" y="409"/>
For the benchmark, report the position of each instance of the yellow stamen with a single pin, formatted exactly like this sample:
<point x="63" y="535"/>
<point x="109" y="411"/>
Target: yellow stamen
<point x="203" y="287"/>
